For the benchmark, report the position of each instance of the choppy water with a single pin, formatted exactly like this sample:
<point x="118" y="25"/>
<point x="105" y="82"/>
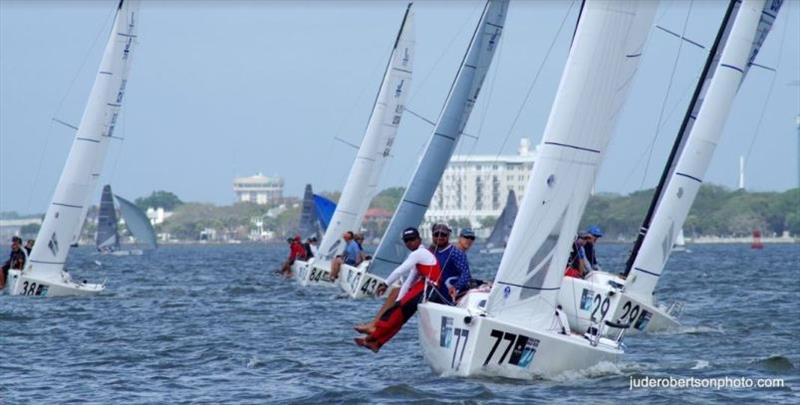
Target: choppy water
<point x="211" y="324"/>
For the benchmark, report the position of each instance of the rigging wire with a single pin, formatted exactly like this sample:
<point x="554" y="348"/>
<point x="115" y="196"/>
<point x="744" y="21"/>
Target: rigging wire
<point x="666" y="96"/>
<point x="769" y="95"/>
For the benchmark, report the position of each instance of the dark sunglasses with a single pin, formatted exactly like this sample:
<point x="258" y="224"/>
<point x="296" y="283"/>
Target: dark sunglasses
<point x="440" y="234"/>
<point x="469" y="237"/>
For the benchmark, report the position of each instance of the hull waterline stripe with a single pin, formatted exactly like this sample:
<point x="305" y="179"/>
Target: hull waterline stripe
<point x="647" y="272"/>
<point x="688" y="177"/>
<point x="572" y="146"/>
<point x="68" y="205"/>
<point x="528" y="287"/>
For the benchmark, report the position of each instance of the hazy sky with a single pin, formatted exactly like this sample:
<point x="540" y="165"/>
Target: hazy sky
<point x="224" y="89"/>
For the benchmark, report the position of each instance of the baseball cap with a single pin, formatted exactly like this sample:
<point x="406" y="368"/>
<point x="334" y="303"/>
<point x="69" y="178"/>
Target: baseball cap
<point x="467" y="233"/>
<point x="410" y="234"/>
<point x="440" y="228"/>
<point x="594" y="230"/>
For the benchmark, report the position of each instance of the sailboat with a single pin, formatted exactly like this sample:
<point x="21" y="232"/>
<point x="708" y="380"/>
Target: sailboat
<point x="517" y="330"/>
<point x="364" y="280"/>
<point x="107" y="238"/>
<point x="362" y="182"/>
<point x="629" y="299"/>
<point x="680" y="243"/>
<point x="44" y="273"/>
<point x="496" y="243"/>
<point x="309" y="225"/>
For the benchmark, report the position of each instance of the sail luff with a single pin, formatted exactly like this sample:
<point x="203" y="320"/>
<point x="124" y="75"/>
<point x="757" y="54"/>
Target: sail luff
<point x="449" y="127"/>
<point x="751" y="25"/>
<point x="81" y="172"/>
<point x="362" y="181"/>
<point x="688" y="121"/>
<point x="602" y="62"/>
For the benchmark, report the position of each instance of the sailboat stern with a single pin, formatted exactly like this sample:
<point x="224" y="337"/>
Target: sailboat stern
<point x="463" y="342"/>
<point x="357" y="282"/>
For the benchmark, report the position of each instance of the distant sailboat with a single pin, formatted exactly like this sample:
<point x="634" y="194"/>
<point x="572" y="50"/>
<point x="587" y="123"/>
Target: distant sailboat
<point x="362" y="181"/>
<point x="315" y="214"/>
<point x="680" y="243"/>
<point x="107" y="240"/>
<point x="44" y="273"/>
<point x="496" y="243"/>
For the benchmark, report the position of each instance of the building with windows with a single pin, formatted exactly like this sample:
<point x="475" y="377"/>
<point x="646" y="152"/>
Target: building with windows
<point x="475" y="187"/>
<point x="258" y="189"/>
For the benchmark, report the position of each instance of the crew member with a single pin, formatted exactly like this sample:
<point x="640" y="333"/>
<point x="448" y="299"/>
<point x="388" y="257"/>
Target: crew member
<point x="296" y="252"/>
<point x="349" y="257"/>
<point x="422" y="268"/>
<point x="454" y="265"/>
<point x="16" y="260"/>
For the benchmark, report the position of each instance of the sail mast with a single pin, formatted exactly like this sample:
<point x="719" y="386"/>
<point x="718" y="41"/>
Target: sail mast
<point x="452" y="120"/>
<point x="688" y="121"/>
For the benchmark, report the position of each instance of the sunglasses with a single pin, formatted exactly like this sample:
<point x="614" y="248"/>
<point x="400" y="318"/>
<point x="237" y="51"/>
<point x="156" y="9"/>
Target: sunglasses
<point x="469" y="237"/>
<point x="440" y="234"/>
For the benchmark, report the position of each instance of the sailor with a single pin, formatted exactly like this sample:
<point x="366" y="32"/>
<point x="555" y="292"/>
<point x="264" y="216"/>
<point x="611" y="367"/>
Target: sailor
<point x="465" y="239"/>
<point x="422" y="270"/>
<point x="349" y="256"/>
<point x="362" y="255"/>
<point x="583" y="259"/>
<point x="454" y="265"/>
<point x="16" y="260"/>
<point x="309" y="247"/>
<point x="296" y="252"/>
<point x="29" y="246"/>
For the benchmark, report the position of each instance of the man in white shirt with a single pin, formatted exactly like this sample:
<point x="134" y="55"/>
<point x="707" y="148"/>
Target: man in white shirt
<point x="421" y="267"/>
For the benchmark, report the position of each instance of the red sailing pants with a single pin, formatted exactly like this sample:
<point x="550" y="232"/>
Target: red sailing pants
<point x="398" y="314"/>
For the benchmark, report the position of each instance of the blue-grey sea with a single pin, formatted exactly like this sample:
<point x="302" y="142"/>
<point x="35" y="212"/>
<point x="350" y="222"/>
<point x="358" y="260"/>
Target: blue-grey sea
<point x="215" y="324"/>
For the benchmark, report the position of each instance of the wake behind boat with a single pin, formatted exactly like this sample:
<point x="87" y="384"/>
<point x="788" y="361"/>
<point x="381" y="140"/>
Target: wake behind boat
<point x="44" y="273"/>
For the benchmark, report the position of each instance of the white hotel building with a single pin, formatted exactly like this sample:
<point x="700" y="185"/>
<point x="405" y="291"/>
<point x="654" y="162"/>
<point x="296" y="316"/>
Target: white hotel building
<point x="475" y="187"/>
<point x="258" y="189"/>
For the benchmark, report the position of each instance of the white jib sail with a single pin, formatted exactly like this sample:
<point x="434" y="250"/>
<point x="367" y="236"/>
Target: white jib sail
<point x="362" y="182"/>
<point x="602" y="62"/>
<point x="85" y="161"/>
<point x="750" y="28"/>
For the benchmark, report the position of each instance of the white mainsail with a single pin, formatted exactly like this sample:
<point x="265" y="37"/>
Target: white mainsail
<point x="362" y="182"/>
<point x="753" y="21"/>
<point x="65" y="215"/>
<point x="603" y="60"/>
<point x="452" y="120"/>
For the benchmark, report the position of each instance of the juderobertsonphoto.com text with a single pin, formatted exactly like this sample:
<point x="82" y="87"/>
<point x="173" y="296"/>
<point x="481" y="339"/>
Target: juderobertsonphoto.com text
<point x="718" y="383"/>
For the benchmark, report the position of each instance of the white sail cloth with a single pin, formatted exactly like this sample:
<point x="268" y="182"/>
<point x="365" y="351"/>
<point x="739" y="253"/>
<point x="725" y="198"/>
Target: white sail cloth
<point x="603" y="60"/>
<point x="362" y="182"/>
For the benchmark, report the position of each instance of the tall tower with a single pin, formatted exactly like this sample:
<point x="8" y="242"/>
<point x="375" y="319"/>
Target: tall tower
<point x="741" y="172"/>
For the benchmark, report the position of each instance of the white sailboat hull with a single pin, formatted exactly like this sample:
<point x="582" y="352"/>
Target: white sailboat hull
<point x="19" y="283"/>
<point x="581" y="299"/>
<point x="312" y="272"/>
<point x="461" y="341"/>
<point x="358" y="283"/>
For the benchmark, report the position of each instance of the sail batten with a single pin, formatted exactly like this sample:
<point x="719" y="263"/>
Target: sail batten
<point x="444" y="138"/>
<point x="362" y="181"/>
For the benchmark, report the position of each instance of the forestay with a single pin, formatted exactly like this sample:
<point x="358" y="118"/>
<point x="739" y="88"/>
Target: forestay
<point x="107" y="237"/>
<point x="753" y="21"/>
<point x="65" y="215"/>
<point x="137" y="222"/>
<point x="602" y="62"/>
<point x="362" y="182"/>
<point x="452" y="120"/>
